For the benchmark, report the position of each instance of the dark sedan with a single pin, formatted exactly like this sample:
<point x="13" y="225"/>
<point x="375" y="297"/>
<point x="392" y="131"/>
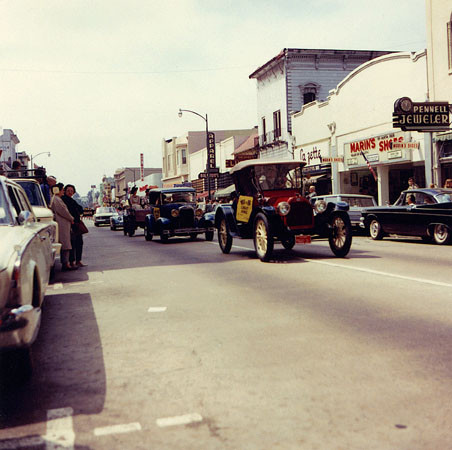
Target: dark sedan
<point x="426" y="213"/>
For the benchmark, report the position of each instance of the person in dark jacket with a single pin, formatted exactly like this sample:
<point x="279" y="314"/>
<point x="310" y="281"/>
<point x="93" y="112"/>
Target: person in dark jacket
<point x="75" y="257"/>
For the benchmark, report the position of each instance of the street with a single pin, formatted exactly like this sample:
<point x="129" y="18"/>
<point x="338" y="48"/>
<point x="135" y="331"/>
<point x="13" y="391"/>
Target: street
<point x="178" y="346"/>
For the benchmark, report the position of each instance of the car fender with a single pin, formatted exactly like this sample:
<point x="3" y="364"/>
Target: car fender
<point x="227" y="212"/>
<point x="433" y="224"/>
<point x="342" y="206"/>
<point x="208" y="220"/>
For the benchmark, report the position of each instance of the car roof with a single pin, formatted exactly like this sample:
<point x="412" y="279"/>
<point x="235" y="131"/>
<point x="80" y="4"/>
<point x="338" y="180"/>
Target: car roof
<point x="345" y="195"/>
<point x="265" y="162"/>
<point x="173" y="189"/>
<point x="431" y="191"/>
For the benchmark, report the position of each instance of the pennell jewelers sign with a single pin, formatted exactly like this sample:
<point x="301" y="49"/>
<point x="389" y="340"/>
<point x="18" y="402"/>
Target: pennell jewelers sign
<point x="384" y="148"/>
<point x="423" y="117"/>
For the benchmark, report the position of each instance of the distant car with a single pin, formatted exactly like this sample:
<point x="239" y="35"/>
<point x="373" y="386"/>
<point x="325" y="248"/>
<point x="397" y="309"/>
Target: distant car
<point x="42" y="212"/>
<point x="356" y="204"/>
<point x="173" y="212"/>
<point x="116" y="221"/>
<point x="103" y="214"/>
<point x="268" y="207"/>
<point x="26" y="260"/>
<point x="426" y="213"/>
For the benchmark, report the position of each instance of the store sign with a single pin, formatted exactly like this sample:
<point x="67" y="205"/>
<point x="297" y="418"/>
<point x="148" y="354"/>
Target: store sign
<point x="337" y="159"/>
<point x="377" y="149"/>
<point x="211" y="164"/>
<point x="427" y="116"/>
<point x="315" y="154"/>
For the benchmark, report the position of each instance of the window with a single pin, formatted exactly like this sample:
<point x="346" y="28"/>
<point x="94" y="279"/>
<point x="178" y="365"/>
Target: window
<point x="449" y="43"/>
<point x="309" y="92"/>
<point x="182" y="156"/>
<point x="264" y="130"/>
<point x="308" y="97"/>
<point x="277" y="123"/>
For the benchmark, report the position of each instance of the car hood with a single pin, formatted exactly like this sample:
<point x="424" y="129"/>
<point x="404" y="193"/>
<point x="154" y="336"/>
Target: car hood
<point x="9" y="238"/>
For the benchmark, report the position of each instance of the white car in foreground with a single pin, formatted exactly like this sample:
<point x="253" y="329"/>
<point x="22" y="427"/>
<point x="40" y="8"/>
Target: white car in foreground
<point x="26" y="259"/>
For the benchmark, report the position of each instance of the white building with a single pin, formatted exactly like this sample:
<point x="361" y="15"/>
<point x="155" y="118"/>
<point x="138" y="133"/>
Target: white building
<point x="439" y="51"/>
<point x="291" y="79"/>
<point x="8" y="142"/>
<point x="356" y="119"/>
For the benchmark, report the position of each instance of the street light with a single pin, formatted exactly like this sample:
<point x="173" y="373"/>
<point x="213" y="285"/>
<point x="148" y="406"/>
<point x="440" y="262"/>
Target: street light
<point x="207" y="142"/>
<point x="31" y="157"/>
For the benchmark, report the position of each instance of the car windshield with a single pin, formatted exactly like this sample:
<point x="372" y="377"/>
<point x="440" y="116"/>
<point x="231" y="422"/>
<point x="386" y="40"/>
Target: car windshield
<point x="361" y="202"/>
<point x="33" y="192"/>
<point x="179" y="197"/>
<point x="105" y="209"/>
<point x="277" y="176"/>
<point x="443" y="198"/>
<point x="3" y="208"/>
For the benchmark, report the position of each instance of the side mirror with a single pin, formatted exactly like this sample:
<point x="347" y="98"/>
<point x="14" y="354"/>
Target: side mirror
<point x="26" y="218"/>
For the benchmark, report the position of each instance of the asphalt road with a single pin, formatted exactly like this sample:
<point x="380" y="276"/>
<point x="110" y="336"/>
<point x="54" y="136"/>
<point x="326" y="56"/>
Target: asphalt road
<point x="177" y="346"/>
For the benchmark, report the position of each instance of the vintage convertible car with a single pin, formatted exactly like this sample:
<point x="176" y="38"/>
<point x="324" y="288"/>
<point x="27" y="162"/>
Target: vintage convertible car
<point x="116" y="221"/>
<point x="173" y="212"/>
<point x="426" y="213"/>
<point x="269" y="207"/>
<point x="26" y="259"/>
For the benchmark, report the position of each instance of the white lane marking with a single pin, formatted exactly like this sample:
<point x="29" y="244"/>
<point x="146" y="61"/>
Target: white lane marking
<point x="25" y="442"/>
<point x="60" y="432"/>
<point x="372" y="271"/>
<point x="157" y="309"/>
<point x="116" y="429"/>
<point x="179" y="420"/>
<point x="384" y="274"/>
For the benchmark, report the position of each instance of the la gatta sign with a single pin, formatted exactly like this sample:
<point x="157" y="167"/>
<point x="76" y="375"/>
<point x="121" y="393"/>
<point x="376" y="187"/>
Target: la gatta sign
<point x="423" y="117"/>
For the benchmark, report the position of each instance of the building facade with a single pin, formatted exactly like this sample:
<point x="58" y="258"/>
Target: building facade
<point x="353" y="127"/>
<point x="439" y="51"/>
<point x="8" y="153"/>
<point x="291" y="79"/>
<point x="128" y="176"/>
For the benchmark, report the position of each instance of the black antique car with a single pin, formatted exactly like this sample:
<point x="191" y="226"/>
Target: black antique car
<point x="133" y="218"/>
<point x="426" y="213"/>
<point x="173" y="212"/>
<point x="269" y="207"/>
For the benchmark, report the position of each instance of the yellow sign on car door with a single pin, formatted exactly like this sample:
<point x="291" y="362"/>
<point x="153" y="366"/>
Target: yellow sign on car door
<point x="244" y="208"/>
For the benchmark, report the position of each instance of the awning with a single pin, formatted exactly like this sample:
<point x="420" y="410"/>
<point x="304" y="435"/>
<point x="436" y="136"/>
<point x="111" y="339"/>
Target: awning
<point x="443" y="137"/>
<point x="314" y="178"/>
<point x="225" y="192"/>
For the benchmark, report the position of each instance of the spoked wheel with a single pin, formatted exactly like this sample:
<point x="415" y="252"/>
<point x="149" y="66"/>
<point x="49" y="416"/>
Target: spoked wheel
<point x="375" y="230"/>
<point x="441" y="234"/>
<point x="224" y="238"/>
<point x="340" y="238"/>
<point x="263" y="239"/>
<point x="209" y="235"/>
<point x="288" y="243"/>
<point x="147" y="234"/>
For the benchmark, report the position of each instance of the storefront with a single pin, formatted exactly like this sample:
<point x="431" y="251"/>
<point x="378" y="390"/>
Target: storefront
<point x="393" y="158"/>
<point x="317" y="172"/>
<point x="444" y="151"/>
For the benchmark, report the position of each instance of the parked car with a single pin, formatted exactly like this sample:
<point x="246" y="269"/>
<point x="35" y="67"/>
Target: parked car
<point x="116" y="221"/>
<point x="426" y="213"/>
<point x="42" y="212"/>
<point x="103" y="214"/>
<point x="269" y="207"/>
<point x="356" y="204"/>
<point x="173" y="212"/>
<point x="26" y="259"/>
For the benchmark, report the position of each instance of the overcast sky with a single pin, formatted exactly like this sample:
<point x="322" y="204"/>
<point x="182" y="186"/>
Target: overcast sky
<point x="97" y="82"/>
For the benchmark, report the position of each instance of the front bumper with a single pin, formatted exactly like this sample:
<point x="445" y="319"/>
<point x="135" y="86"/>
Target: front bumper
<point x="19" y="327"/>
<point x="102" y="221"/>
<point x="186" y="231"/>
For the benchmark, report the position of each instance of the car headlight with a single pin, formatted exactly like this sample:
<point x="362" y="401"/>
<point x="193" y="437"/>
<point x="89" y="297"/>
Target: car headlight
<point x="283" y="208"/>
<point x="320" y="206"/>
<point x="175" y="212"/>
<point x="199" y="213"/>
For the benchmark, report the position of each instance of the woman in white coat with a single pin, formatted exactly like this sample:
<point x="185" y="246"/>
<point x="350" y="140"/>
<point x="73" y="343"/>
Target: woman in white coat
<point x="64" y="219"/>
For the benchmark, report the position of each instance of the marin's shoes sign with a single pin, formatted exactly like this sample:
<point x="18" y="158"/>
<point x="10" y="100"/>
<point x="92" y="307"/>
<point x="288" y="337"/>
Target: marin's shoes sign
<point x="427" y="116"/>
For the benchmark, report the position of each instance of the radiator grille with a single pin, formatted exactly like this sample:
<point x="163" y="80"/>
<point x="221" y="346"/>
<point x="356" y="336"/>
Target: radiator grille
<point x="186" y="217"/>
<point x="300" y="215"/>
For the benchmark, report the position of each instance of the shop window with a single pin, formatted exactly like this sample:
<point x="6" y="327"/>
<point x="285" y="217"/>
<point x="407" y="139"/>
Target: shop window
<point x="277" y="124"/>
